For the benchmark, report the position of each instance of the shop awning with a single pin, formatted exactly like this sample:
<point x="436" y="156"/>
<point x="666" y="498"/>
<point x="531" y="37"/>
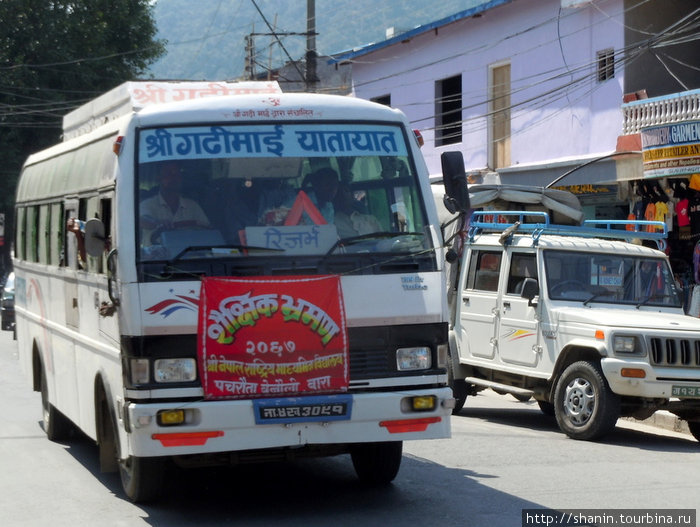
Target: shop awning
<point x="615" y="168"/>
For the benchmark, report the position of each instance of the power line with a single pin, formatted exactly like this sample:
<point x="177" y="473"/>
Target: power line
<point x="628" y="54"/>
<point x="292" y="61"/>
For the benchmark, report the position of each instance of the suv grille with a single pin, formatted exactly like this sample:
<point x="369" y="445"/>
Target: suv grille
<point x="674" y="352"/>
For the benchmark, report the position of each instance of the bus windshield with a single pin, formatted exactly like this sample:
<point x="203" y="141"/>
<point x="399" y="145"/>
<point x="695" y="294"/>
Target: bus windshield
<point x="610" y="279"/>
<point x="276" y="189"/>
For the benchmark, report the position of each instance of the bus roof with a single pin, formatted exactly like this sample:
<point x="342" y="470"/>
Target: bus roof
<point x="134" y="95"/>
<point x="280" y="107"/>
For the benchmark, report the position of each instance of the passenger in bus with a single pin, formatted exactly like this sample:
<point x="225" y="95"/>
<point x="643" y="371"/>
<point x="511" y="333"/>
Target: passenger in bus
<point x="320" y="186"/>
<point x="322" y="191"/>
<point x="275" y="201"/>
<point x="349" y="220"/>
<point x="168" y="210"/>
<point x="77" y="227"/>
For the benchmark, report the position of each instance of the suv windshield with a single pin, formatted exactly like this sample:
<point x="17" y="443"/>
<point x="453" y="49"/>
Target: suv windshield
<point x="236" y="191"/>
<point x="610" y="279"/>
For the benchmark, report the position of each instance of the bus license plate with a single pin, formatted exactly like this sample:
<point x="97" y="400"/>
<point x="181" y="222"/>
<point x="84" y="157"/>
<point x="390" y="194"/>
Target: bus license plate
<point x="303" y="409"/>
<point x="685" y="391"/>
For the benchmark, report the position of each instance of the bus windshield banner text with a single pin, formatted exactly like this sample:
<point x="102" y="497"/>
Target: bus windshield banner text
<point x="279" y="140"/>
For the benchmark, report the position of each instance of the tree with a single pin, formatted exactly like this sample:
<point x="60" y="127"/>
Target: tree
<point x="54" y="56"/>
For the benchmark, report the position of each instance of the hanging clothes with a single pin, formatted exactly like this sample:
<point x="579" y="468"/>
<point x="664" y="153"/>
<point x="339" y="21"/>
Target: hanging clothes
<point x="660" y="212"/>
<point x="649" y="215"/>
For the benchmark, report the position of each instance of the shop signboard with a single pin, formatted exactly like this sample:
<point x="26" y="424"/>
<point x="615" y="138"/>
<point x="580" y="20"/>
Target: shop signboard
<point x="671" y="149"/>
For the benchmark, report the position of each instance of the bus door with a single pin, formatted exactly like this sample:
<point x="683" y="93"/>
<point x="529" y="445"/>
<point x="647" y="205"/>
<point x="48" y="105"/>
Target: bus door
<point x="107" y="319"/>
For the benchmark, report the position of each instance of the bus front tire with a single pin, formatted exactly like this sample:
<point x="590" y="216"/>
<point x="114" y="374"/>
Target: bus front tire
<point x="377" y="463"/>
<point x="459" y="387"/>
<point x="142" y="478"/>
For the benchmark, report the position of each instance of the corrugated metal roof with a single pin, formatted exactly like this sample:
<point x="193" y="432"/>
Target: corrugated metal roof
<point x="477" y="9"/>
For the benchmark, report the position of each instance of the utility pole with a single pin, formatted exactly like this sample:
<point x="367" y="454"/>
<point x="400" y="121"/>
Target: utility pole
<point x="250" y="55"/>
<point x="311" y="78"/>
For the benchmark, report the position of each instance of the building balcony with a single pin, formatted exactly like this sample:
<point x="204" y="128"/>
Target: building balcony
<point x="666" y="109"/>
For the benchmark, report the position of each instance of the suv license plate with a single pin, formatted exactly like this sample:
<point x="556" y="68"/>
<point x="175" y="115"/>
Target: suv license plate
<point x="685" y="391"/>
<point x="303" y="409"/>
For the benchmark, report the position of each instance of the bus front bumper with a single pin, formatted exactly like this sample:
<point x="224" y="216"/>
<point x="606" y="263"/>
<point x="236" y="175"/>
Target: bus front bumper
<point x="236" y="425"/>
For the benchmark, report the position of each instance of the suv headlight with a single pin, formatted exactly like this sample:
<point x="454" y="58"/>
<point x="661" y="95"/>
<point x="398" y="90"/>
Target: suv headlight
<point x="624" y="344"/>
<point x="174" y="370"/>
<point x="413" y="358"/>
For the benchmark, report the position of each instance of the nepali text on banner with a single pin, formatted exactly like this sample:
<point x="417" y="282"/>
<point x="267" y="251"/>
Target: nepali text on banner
<point x="268" y="337"/>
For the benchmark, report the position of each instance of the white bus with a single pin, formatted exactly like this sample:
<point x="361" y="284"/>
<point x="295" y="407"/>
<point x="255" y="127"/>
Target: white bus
<point x="255" y="277"/>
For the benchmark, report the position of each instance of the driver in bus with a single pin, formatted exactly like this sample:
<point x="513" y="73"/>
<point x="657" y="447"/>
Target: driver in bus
<point x="168" y="210"/>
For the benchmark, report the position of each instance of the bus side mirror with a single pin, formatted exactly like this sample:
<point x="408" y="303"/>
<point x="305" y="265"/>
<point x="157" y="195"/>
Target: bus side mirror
<point x="94" y="237"/>
<point x="455" y="180"/>
<point x="530" y="290"/>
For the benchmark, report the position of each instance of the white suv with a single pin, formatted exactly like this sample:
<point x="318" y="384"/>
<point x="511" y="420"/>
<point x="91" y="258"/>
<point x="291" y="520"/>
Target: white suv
<point x="592" y="328"/>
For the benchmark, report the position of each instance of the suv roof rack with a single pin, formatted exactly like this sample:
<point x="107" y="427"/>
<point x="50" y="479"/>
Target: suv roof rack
<point x="512" y="221"/>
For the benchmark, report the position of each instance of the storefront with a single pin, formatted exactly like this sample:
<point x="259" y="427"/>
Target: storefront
<point x="670" y="191"/>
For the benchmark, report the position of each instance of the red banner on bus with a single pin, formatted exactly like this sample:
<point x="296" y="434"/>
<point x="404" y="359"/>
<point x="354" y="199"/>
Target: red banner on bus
<point x="272" y="337"/>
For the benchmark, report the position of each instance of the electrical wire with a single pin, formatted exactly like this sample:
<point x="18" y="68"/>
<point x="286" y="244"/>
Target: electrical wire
<point x="630" y="53"/>
<point x="685" y="24"/>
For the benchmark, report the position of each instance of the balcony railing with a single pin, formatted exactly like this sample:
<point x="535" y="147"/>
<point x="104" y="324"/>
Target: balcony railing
<point x="674" y="108"/>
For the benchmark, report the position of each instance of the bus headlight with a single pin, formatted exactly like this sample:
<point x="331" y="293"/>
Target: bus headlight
<point x="413" y="358"/>
<point x="174" y="370"/>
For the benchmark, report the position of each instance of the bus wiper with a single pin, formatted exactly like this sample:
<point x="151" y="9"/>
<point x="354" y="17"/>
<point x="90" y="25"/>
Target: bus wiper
<point x="191" y="248"/>
<point x="350" y="240"/>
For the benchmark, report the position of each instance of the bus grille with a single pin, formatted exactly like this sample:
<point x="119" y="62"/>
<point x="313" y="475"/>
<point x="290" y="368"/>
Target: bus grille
<point x="681" y="353"/>
<point x="368" y="364"/>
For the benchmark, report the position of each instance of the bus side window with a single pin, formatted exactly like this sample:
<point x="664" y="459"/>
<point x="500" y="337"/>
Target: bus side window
<point x="19" y="232"/>
<point x="106" y="217"/>
<point x="56" y="235"/>
<point x="71" y="257"/>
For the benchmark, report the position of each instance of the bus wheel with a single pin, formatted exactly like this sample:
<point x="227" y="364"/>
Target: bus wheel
<point x="56" y="425"/>
<point x="142" y="478"/>
<point x="377" y="463"/>
<point x="584" y="405"/>
<point x="459" y="387"/>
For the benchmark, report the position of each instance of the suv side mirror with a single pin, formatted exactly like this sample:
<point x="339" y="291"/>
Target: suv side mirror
<point x="530" y="290"/>
<point x="455" y="180"/>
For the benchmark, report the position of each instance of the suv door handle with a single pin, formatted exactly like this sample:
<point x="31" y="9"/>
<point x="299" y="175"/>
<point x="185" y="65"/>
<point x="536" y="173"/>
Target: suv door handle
<point x="506" y="305"/>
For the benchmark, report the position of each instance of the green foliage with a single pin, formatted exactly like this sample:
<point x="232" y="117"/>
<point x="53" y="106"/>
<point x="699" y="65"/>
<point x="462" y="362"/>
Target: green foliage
<point x="54" y="56"/>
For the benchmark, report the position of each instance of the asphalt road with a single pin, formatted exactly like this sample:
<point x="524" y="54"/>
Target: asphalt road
<point x="504" y="457"/>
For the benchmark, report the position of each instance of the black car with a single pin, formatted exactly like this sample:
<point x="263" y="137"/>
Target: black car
<point x="7" y="305"/>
